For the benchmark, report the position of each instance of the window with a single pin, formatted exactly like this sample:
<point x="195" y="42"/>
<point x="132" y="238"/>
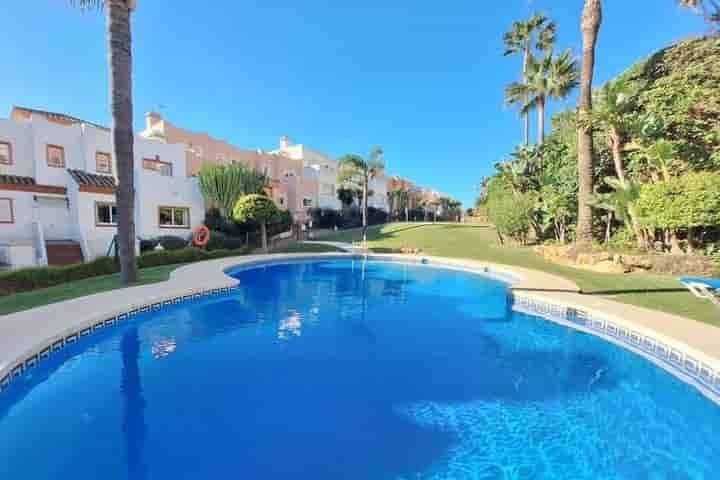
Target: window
<point x="103" y="162"/>
<point x="6" y="153"/>
<point x="105" y="214"/>
<point x="55" y="156"/>
<point x="174" y="217"/>
<point x="155" y="164"/>
<point x="307" y="202"/>
<point x="6" y="211"/>
<point x="282" y="201"/>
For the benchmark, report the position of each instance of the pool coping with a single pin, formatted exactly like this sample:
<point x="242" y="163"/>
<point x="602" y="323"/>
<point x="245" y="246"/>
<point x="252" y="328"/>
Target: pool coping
<point x="688" y="349"/>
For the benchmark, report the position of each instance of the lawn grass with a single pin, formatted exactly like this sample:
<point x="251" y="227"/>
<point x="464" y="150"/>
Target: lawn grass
<point x="88" y="286"/>
<point x="659" y="292"/>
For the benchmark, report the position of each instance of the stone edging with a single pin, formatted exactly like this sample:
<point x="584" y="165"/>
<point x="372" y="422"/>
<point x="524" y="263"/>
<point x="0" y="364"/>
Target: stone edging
<point x="693" y="366"/>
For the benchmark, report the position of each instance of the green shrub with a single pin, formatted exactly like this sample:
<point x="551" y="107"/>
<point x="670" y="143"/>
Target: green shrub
<point x="511" y="213"/>
<point x="27" y="279"/>
<point x="173" y="242"/>
<point x="223" y="241"/>
<point x="186" y="255"/>
<point x="692" y="200"/>
<point x="149" y="244"/>
<point x="33" y="278"/>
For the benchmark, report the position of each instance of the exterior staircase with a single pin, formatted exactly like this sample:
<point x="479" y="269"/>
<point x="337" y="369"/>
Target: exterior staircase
<point x="63" y="252"/>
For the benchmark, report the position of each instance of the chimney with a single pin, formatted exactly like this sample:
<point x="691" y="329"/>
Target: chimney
<point x="284" y="142"/>
<point x="152" y="119"/>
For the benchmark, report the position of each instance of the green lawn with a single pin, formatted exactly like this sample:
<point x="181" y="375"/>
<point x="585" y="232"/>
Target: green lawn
<point x="88" y="286"/>
<point x="480" y="243"/>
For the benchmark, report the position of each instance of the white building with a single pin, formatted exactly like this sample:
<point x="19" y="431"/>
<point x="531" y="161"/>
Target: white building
<point x="326" y="170"/>
<point x="57" y="189"/>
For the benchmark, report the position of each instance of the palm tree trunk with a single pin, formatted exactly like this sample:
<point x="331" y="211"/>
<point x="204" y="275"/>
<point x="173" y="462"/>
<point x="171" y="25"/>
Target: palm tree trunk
<point x="120" y="63"/>
<point x="526" y="116"/>
<point x="616" y="147"/>
<point x="541" y="120"/>
<point x="263" y="235"/>
<point x="590" y="26"/>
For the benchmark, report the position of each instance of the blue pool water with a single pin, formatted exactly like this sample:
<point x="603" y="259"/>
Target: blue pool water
<point x="351" y="370"/>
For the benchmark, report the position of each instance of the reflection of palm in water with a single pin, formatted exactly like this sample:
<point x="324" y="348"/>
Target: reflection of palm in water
<point x="134" y="429"/>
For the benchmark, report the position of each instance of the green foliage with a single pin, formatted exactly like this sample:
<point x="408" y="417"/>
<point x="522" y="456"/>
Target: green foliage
<point x="186" y="255"/>
<point x="347" y="196"/>
<point x="678" y="87"/>
<point x="512" y="214"/>
<point x="354" y="171"/>
<point x="692" y="200"/>
<point x="33" y="278"/>
<point x="623" y="239"/>
<point x="222" y="185"/>
<point x="553" y="76"/>
<point x="173" y="242"/>
<point x="255" y="208"/>
<point x="223" y="241"/>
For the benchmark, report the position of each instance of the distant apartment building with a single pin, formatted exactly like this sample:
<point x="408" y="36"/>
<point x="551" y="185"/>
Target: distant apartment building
<point x="57" y="189"/>
<point x="288" y="187"/>
<point x="317" y="166"/>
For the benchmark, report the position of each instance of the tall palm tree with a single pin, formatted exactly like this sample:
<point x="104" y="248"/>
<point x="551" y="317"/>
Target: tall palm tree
<point x="710" y="9"/>
<point x="590" y="27"/>
<point x="119" y="36"/>
<point x="537" y="32"/>
<point x="612" y="114"/>
<point x="357" y="172"/>
<point x="549" y="77"/>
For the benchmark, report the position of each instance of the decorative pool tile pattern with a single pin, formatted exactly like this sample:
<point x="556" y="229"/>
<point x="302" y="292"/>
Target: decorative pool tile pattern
<point x="681" y="364"/>
<point x="45" y="351"/>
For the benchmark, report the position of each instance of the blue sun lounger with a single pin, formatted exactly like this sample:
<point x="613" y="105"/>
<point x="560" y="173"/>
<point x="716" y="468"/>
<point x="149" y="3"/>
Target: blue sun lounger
<point x="705" y="288"/>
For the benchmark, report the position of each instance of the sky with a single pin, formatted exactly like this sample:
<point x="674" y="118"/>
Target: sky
<point x="423" y="79"/>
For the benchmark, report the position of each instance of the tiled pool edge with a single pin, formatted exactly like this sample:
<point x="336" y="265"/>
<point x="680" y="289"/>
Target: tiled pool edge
<point x="48" y="347"/>
<point x="689" y="365"/>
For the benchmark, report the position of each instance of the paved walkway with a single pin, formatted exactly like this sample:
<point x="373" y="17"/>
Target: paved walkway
<point x="23" y="335"/>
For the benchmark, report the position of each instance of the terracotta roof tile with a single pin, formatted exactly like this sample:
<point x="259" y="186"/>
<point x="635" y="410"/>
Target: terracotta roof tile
<point x="84" y="178"/>
<point x="16" y="180"/>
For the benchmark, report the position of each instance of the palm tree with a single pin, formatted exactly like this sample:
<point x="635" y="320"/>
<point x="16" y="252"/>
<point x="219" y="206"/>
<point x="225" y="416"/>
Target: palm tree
<point x="537" y="32"/>
<point x="590" y="27"/>
<point x="550" y="77"/>
<point x="356" y="172"/>
<point x="612" y="114"/>
<point x="710" y="9"/>
<point x="622" y="202"/>
<point x="120" y="62"/>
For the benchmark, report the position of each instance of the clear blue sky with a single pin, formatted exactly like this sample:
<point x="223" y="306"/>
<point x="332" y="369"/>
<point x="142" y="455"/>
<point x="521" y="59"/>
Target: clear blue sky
<point x="423" y="79"/>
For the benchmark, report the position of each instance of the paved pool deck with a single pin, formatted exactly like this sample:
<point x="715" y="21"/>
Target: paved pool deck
<point x="24" y="335"/>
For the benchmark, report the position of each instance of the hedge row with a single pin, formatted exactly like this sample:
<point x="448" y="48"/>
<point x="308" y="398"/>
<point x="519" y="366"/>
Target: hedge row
<point x="34" y="278"/>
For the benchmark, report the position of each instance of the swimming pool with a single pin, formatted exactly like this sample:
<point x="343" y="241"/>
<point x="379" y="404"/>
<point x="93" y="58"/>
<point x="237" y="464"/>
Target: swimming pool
<point x="352" y="369"/>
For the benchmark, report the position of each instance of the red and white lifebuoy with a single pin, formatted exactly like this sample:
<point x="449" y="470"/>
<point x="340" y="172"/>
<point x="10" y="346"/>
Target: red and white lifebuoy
<point x="201" y="236"/>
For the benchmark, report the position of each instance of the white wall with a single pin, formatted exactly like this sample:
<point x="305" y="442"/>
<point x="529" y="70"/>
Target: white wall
<point x="20" y="137"/>
<point x="24" y="213"/>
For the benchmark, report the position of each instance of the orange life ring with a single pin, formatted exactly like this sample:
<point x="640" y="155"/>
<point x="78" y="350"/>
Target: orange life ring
<point x="201" y="236"/>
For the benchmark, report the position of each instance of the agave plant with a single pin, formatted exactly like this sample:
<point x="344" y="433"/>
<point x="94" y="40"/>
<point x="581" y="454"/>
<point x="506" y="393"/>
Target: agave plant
<point x="222" y="185"/>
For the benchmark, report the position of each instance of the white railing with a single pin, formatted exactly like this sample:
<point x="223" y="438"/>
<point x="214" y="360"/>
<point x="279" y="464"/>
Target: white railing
<point x="40" y="247"/>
